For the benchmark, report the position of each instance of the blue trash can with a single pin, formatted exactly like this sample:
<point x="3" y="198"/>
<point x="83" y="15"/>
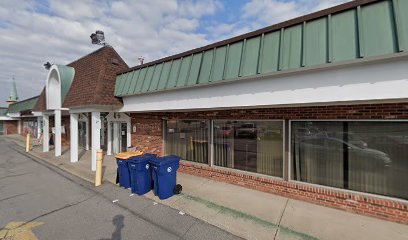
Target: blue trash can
<point x="164" y="171"/>
<point x="123" y="172"/>
<point x="140" y="174"/>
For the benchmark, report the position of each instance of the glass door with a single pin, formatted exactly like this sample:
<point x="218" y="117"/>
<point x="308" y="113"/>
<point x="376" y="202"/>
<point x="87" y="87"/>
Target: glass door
<point x="119" y="136"/>
<point x="123" y="137"/>
<point x="82" y="134"/>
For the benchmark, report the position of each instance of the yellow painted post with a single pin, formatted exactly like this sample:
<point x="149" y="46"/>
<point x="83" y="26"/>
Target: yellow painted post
<point x="98" y="174"/>
<point x="28" y="142"/>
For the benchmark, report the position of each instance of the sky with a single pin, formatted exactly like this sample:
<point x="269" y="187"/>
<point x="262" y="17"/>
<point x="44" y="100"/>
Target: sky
<point x="33" y="32"/>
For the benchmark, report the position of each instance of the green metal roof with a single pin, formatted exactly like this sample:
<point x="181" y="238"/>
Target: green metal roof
<point x="22" y="106"/>
<point x="350" y="31"/>
<point x="3" y="112"/>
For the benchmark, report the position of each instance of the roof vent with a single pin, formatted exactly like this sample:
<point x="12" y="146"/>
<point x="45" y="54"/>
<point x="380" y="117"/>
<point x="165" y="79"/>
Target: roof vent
<point x="98" y="38"/>
<point x="141" y="59"/>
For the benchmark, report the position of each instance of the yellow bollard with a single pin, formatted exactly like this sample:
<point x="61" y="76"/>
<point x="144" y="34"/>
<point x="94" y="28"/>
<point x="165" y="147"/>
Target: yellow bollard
<point x="98" y="174"/>
<point x="28" y="142"/>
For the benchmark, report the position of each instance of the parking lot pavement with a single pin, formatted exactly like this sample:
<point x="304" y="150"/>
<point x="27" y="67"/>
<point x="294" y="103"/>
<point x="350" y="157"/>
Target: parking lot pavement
<point x="43" y="202"/>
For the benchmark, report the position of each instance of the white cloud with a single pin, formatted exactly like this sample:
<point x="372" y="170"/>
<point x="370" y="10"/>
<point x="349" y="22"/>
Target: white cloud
<point x="267" y="12"/>
<point x="33" y="32"/>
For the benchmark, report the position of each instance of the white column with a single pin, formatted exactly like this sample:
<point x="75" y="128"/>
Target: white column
<point x="38" y="126"/>
<point x="87" y="132"/>
<point x="19" y="126"/>
<point x="46" y="136"/>
<point x="57" y="134"/>
<point x="109" y="151"/>
<point x="96" y="136"/>
<point x="116" y="135"/>
<point x="73" y="123"/>
<point x="129" y="134"/>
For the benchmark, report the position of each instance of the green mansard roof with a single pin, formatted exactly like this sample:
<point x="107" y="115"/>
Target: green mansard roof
<point x="23" y="106"/>
<point x="354" y="30"/>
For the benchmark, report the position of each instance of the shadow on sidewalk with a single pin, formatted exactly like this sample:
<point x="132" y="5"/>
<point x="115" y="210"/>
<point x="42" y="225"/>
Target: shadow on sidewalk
<point x="119" y="225"/>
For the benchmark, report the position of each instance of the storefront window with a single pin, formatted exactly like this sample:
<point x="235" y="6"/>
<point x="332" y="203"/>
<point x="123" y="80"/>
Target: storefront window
<point x="254" y="146"/>
<point x="30" y="127"/>
<point x="187" y="139"/>
<point x="1" y="128"/>
<point x="363" y="156"/>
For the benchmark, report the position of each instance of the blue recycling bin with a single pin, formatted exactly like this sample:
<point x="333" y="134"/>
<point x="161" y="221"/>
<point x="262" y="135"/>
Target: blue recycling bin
<point x="140" y="174"/>
<point x="123" y="172"/>
<point x="164" y="172"/>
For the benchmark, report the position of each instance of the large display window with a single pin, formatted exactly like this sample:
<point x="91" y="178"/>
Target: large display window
<point x="365" y="156"/>
<point x="187" y="139"/>
<point x="253" y="146"/>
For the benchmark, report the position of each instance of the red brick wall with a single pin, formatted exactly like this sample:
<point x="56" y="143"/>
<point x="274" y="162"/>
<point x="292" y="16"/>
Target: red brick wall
<point x="151" y="140"/>
<point x="10" y="127"/>
<point x="149" y="134"/>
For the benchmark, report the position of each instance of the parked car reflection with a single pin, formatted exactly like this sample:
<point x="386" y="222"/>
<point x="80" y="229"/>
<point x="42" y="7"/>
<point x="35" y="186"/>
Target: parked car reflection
<point x="338" y="145"/>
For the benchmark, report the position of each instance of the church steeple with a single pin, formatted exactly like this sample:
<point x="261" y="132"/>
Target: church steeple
<point x="13" y="94"/>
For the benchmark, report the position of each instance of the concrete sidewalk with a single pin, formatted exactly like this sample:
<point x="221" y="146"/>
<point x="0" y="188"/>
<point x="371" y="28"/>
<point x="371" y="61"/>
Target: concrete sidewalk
<point x="243" y="212"/>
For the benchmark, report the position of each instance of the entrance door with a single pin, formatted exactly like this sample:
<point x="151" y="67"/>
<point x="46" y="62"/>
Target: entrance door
<point x="119" y="137"/>
<point x="1" y="128"/>
<point x="82" y="134"/>
<point x="123" y="137"/>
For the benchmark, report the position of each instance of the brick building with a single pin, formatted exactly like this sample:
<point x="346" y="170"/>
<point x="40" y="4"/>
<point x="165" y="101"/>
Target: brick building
<point x="78" y="99"/>
<point x="314" y="108"/>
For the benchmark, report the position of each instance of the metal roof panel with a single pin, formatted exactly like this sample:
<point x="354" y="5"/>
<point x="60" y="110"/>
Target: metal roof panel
<point x="194" y="69"/>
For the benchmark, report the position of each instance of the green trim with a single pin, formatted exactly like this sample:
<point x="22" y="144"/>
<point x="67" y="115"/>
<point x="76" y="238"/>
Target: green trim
<point x="360" y="32"/>
<point x="329" y="39"/>
<point x="66" y="77"/>
<point x="281" y="46"/>
<point x="304" y="42"/>
<point x="260" y="55"/>
<point x="398" y="26"/>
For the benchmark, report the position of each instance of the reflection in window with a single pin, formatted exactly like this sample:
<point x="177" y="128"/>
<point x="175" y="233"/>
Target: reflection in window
<point x="30" y="127"/>
<point x="362" y="156"/>
<point x="254" y="146"/>
<point x="187" y="139"/>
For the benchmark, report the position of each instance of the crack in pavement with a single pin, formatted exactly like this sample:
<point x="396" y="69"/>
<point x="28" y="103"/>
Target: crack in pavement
<point x="280" y="219"/>
<point x="14" y="196"/>
<point x="56" y="210"/>
<point x="15" y="175"/>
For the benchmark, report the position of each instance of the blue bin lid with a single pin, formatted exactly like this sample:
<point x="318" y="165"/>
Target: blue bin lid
<point x="165" y="160"/>
<point x="142" y="158"/>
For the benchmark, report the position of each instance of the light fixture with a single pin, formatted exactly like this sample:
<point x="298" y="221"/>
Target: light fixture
<point x="47" y="65"/>
<point x="141" y="59"/>
<point x="98" y="38"/>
